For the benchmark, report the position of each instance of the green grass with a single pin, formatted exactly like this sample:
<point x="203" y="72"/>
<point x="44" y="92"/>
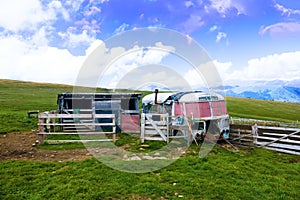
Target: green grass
<point x="264" y="110"/>
<point x="17" y="98"/>
<point x="251" y="174"/>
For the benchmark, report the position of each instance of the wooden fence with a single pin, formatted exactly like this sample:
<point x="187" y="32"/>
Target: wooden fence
<point x="247" y="121"/>
<point x="54" y="123"/>
<point x="160" y="127"/>
<point x="285" y="140"/>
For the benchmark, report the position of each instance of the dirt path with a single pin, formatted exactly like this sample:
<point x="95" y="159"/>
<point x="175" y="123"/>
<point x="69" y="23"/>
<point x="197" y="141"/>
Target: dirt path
<point x="18" y="146"/>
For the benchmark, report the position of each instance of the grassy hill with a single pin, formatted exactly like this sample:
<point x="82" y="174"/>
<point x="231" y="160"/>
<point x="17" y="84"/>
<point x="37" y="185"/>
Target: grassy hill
<point x="264" y="110"/>
<point x="17" y="98"/>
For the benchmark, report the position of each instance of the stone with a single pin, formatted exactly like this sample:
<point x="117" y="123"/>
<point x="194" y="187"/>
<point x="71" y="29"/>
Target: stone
<point x="134" y="158"/>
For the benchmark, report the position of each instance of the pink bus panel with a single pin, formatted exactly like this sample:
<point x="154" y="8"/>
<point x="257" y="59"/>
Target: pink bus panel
<point x="178" y="109"/>
<point x="130" y="123"/>
<point x="198" y="109"/>
<point x="219" y="108"/>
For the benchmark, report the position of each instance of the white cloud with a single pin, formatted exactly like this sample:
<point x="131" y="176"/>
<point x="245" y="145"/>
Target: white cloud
<point x="213" y="28"/>
<point x="192" y="23"/>
<point x="22" y="60"/>
<point x="285" y="66"/>
<point x="282" y="28"/>
<point x="56" y="7"/>
<point x="103" y="1"/>
<point x="222" y="6"/>
<point x="75" y="4"/>
<point x="39" y="38"/>
<point x="17" y="15"/>
<point x="188" y="4"/>
<point x="196" y="78"/>
<point x="122" y="28"/>
<point x="132" y="59"/>
<point x="286" y="11"/>
<point x="92" y="10"/>
<point x="223" y="68"/>
<point x="74" y="40"/>
<point x="93" y="46"/>
<point x="220" y="36"/>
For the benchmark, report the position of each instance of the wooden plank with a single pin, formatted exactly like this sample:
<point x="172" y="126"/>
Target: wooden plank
<point x="79" y="141"/>
<point x="278" y="128"/>
<point x="62" y="116"/>
<point x="243" y="136"/>
<point x="283" y="146"/>
<point x="81" y="110"/>
<point x="283" y="140"/>
<point x="240" y="130"/>
<point x="277" y="140"/>
<point x="280" y="139"/>
<point x="75" y="133"/>
<point x="282" y="134"/>
<point x="76" y="124"/>
<point x="154" y="138"/>
<point x="153" y="128"/>
<point x="150" y="132"/>
<point x="159" y="123"/>
<point x="182" y="136"/>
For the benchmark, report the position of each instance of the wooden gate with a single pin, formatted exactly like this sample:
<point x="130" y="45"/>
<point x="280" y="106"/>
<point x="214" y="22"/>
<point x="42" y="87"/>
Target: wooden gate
<point x="155" y="127"/>
<point x="281" y="139"/>
<point x="54" y="123"/>
<point x="285" y="140"/>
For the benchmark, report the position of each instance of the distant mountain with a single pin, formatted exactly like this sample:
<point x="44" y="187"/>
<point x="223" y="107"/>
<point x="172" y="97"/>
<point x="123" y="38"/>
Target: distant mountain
<point x="277" y="90"/>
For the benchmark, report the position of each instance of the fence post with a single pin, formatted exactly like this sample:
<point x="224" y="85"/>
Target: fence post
<point x="143" y="128"/>
<point x="231" y="119"/>
<point x="114" y="128"/>
<point x="239" y="133"/>
<point x="255" y="133"/>
<point x="167" y="131"/>
<point x="41" y="128"/>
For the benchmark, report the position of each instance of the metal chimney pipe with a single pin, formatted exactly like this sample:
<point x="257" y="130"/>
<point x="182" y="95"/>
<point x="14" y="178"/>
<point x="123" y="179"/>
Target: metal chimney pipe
<point x="155" y="98"/>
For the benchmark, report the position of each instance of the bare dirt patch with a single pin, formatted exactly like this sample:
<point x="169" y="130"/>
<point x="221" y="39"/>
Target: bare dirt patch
<point x="18" y="146"/>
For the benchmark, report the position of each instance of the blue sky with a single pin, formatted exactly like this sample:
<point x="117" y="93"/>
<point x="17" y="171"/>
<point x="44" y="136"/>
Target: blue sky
<point x="248" y="40"/>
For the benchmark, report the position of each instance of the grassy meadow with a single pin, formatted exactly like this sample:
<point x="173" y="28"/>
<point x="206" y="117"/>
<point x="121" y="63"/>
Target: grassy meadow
<point x="249" y="174"/>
